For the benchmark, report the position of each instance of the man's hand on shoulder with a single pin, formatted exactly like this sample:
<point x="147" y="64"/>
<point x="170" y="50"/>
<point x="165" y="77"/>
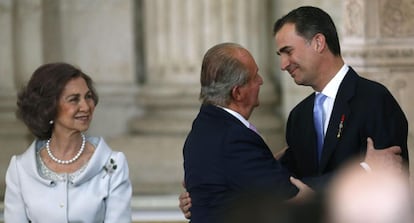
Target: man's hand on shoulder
<point x="382" y="159"/>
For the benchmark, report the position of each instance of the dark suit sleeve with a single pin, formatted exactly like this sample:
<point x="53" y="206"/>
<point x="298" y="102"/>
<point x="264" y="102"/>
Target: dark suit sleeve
<point x="301" y="158"/>
<point x="288" y="159"/>
<point x="319" y="183"/>
<point x="387" y="124"/>
<point x="251" y="165"/>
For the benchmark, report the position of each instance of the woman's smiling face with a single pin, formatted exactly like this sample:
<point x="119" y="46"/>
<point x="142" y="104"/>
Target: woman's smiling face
<point x="75" y="107"/>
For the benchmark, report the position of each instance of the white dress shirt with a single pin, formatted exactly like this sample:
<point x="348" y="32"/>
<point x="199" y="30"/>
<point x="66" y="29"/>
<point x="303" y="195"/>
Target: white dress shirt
<point x="330" y="90"/>
<point x="238" y="116"/>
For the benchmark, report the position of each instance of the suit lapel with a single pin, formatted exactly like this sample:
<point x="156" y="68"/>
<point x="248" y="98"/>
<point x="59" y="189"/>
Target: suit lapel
<point x="341" y="111"/>
<point x="309" y="126"/>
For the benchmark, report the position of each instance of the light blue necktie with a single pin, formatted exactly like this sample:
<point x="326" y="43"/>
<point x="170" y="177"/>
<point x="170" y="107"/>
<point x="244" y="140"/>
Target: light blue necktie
<point x="319" y="120"/>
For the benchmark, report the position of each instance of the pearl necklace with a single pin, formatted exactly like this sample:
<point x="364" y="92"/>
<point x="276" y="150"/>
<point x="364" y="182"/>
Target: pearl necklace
<point x="66" y="161"/>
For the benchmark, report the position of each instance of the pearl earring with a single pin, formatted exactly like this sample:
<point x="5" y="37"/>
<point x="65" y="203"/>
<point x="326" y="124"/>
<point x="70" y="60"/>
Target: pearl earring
<point x="51" y="122"/>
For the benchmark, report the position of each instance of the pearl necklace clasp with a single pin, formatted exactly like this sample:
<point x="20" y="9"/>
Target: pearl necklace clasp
<point x="65" y="162"/>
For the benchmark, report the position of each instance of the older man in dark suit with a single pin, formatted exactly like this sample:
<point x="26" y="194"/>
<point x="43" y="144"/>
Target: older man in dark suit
<point x="223" y="155"/>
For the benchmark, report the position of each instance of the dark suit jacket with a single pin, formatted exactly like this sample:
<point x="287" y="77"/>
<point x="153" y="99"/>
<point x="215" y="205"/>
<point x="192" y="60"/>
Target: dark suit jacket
<point x="368" y="110"/>
<point x="224" y="159"/>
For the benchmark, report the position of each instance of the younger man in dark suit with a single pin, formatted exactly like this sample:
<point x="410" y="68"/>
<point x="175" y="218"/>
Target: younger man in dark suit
<point x="355" y="108"/>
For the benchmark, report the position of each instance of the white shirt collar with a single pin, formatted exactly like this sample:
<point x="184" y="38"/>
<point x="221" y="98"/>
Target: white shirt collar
<point x="237" y="115"/>
<point x="331" y="89"/>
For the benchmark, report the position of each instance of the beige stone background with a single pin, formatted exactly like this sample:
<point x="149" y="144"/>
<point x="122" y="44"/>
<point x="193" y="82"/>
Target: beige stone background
<point x="145" y="55"/>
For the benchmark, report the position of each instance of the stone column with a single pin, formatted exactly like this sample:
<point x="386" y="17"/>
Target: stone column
<point x="19" y="21"/>
<point x="20" y="53"/>
<point x="98" y="36"/>
<point x="7" y="85"/>
<point x="379" y="44"/>
<point x="178" y="32"/>
<point x="28" y="38"/>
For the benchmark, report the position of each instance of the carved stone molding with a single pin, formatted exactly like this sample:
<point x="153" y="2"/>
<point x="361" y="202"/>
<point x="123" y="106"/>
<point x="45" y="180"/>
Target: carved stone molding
<point x="397" y="18"/>
<point x="389" y="57"/>
<point x="354" y="18"/>
<point x="379" y="18"/>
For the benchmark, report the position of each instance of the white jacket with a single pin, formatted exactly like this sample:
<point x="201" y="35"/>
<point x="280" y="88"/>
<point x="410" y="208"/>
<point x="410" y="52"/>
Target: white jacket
<point x="96" y="195"/>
